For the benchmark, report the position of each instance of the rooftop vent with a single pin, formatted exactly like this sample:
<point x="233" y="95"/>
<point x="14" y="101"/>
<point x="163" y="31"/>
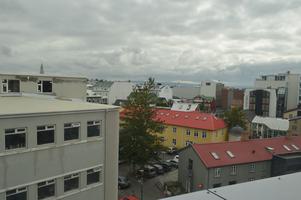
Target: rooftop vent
<point x="286" y="147"/>
<point x="197" y="117"/>
<point x="230" y="154"/>
<point x="295" y="147"/>
<point x="215" y="156"/>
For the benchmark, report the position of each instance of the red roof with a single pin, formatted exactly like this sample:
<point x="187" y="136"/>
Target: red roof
<point x="246" y="151"/>
<point x="131" y="197"/>
<point x="194" y="119"/>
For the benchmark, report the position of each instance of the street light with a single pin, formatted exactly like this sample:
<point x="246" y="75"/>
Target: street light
<point x="140" y="180"/>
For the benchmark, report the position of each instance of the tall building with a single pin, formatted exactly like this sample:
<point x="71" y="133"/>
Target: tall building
<point x="287" y="86"/>
<point x="232" y="98"/>
<point x="212" y="89"/>
<point x="263" y="102"/>
<point x="55" y="147"/>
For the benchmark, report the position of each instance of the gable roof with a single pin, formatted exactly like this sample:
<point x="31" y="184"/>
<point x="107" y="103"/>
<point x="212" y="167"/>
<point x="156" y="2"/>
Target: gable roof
<point x="246" y="151"/>
<point x="197" y="120"/>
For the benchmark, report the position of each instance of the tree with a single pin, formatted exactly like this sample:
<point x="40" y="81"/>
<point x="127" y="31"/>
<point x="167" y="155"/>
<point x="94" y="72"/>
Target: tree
<point x="138" y="139"/>
<point x="235" y="117"/>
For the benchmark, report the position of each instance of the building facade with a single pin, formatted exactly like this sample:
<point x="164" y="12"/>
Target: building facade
<point x="212" y="89"/>
<point x="59" y="86"/>
<point x="287" y="86"/>
<point x="185" y="128"/>
<point x="232" y="98"/>
<point x="263" y="102"/>
<point x="57" y="149"/>
<point x="295" y="125"/>
<point x="205" y="166"/>
<point x="289" y="114"/>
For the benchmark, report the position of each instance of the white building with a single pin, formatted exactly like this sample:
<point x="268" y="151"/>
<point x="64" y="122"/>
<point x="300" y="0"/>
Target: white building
<point x="267" y="127"/>
<point x="111" y="91"/>
<point x="57" y="149"/>
<point x="163" y="91"/>
<point x="41" y="84"/>
<point x="212" y="89"/>
<point x="187" y="92"/>
<point x="291" y="84"/>
<point x="185" y="107"/>
<point x="262" y="102"/>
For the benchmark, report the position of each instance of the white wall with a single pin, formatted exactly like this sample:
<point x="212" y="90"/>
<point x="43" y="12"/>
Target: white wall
<point x="119" y="90"/>
<point x="166" y="92"/>
<point x="208" y="90"/>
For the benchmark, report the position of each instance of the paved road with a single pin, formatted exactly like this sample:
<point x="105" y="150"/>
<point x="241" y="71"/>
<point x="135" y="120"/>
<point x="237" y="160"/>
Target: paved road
<point x="150" y="189"/>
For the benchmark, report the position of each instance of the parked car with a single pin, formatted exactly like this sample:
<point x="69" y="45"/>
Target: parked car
<point x="176" y="158"/>
<point x="147" y="172"/>
<point x="167" y="166"/>
<point x="123" y="182"/>
<point x="130" y="197"/>
<point x="159" y="168"/>
<point x="173" y="163"/>
<point x="172" y="150"/>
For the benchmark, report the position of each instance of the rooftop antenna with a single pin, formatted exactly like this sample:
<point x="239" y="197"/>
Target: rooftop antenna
<point x="42" y="69"/>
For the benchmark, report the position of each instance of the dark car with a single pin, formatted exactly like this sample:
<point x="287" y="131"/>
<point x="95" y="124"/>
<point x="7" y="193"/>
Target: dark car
<point x="173" y="163"/>
<point x="167" y="166"/>
<point x="147" y="172"/>
<point x="123" y="182"/>
<point x="159" y="168"/>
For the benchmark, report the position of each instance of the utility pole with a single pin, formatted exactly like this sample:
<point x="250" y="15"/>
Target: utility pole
<point x="140" y="180"/>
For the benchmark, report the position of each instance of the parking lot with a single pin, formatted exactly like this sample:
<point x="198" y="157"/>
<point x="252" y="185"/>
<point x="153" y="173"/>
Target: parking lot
<point x="152" y="188"/>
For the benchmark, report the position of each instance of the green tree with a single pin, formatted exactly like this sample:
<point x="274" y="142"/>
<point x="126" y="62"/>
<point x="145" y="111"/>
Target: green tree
<point x="235" y="117"/>
<point x="138" y="140"/>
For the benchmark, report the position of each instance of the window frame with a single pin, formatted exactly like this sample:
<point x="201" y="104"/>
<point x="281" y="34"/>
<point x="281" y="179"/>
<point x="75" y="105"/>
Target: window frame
<point x="40" y="84"/>
<point x="217" y="172"/>
<point x="5" y="82"/>
<point x="47" y="129"/>
<point x="15" y="133"/>
<point x="94" y="170"/>
<point x="188" y="132"/>
<point x="204" y="134"/>
<point x="95" y="123"/>
<point x="73" y="125"/>
<point x="47" y="183"/>
<point x="69" y="177"/>
<point x="174" y="141"/>
<point x="196" y="134"/>
<point x="174" y="129"/>
<point x="252" y="167"/>
<point x="233" y="170"/>
<point x="18" y="191"/>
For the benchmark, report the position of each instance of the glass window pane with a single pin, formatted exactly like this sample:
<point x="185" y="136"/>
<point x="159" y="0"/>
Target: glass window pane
<point x="46" y="191"/>
<point x="93" y="177"/>
<point x="93" y="130"/>
<point x="71" y="184"/>
<point x="18" y="196"/>
<point x="71" y="133"/>
<point x="45" y="137"/>
<point x="15" y="141"/>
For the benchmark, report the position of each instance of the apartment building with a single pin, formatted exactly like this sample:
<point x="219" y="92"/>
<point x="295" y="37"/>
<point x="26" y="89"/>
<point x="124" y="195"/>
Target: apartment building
<point x="41" y="84"/>
<point x="263" y="102"/>
<point x="55" y="149"/>
<point x="287" y="86"/>
<point x="185" y="128"/>
<point x="292" y="113"/>
<point x="267" y="127"/>
<point x="108" y="92"/>
<point x="232" y="98"/>
<point x="205" y="166"/>
<point x="295" y="125"/>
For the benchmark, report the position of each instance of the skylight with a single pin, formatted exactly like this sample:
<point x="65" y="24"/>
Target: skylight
<point x="230" y="154"/>
<point x="270" y="148"/>
<point x="295" y="147"/>
<point x="286" y="147"/>
<point x="215" y="156"/>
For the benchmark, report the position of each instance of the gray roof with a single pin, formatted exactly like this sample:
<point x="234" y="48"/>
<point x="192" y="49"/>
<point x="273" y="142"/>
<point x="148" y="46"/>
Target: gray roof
<point x="276" y="188"/>
<point x="42" y="75"/>
<point x="20" y="105"/>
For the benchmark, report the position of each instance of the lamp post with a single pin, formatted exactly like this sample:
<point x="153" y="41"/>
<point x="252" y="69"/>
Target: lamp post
<point x="140" y="180"/>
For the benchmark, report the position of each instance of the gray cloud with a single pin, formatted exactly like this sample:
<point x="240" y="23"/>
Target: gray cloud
<point x="233" y="41"/>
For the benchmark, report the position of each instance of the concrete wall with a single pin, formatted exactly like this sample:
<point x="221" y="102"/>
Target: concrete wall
<point x="33" y="164"/>
<point x="166" y="92"/>
<point x="61" y="87"/>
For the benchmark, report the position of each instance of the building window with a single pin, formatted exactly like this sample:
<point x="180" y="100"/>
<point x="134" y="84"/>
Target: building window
<point x="71" y="182"/>
<point x="10" y="85"/>
<point x="252" y="167"/>
<point x="174" y="129"/>
<point x="208" y="83"/>
<point x="187" y="131"/>
<point x="204" y="135"/>
<point x="217" y="172"/>
<point x="174" y="142"/>
<point x="196" y="134"/>
<point x="233" y="170"/>
<point x="17" y="194"/>
<point x="45" y="134"/>
<point x="93" y="128"/>
<point x="45" y="86"/>
<point x="190" y="164"/>
<point x="93" y="175"/>
<point x="71" y="131"/>
<point x="46" y="189"/>
<point x="15" y="138"/>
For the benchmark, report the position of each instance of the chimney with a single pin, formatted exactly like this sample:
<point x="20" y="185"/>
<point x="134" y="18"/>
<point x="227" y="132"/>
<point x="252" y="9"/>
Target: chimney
<point x="42" y="69"/>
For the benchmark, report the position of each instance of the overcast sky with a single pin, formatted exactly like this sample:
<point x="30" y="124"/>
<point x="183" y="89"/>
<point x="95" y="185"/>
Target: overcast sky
<point x="229" y="40"/>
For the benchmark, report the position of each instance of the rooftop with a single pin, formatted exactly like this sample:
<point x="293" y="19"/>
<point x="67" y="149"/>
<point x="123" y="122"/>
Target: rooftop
<point x="197" y="120"/>
<point x="272" y="123"/>
<point x="219" y="154"/>
<point x="18" y="105"/>
<point x="282" y="187"/>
